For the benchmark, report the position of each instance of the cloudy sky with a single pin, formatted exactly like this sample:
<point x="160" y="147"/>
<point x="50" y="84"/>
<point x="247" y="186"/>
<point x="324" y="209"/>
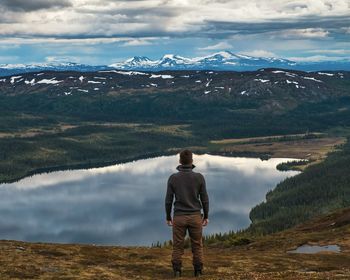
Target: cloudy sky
<point x="106" y="31"/>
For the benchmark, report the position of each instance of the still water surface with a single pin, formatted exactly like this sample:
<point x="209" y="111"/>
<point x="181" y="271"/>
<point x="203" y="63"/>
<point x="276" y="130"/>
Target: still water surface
<point x="123" y="204"/>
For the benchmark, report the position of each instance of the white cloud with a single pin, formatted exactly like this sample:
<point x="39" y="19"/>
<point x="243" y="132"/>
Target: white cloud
<point x="52" y="59"/>
<point x="317" y="58"/>
<point x="262" y="27"/>
<point x="101" y="18"/>
<point x="137" y="42"/>
<point x="82" y="41"/>
<point x="260" y="53"/>
<point x="304" y="33"/>
<point x="8" y="59"/>
<point x="218" y="46"/>
<point x="339" y="51"/>
<point x="346" y="30"/>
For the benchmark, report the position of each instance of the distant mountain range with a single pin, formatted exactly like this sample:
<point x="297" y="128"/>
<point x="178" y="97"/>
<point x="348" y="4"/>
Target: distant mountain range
<point x="220" y="61"/>
<point x="13" y="69"/>
<point x="224" y="60"/>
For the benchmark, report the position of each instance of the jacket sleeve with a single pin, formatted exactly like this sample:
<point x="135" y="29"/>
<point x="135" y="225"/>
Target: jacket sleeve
<point x="169" y="197"/>
<point x="204" y="198"/>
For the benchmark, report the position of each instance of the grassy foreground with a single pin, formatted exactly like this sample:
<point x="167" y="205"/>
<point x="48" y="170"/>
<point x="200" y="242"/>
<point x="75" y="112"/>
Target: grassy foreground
<point x="265" y="258"/>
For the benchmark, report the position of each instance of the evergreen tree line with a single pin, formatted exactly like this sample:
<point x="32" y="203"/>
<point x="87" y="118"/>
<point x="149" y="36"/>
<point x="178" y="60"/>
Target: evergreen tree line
<point x="318" y="190"/>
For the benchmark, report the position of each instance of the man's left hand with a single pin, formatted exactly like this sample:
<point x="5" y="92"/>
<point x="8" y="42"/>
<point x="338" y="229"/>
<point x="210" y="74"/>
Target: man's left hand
<point x="169" y="222"/>
<point x="205" y="222"/>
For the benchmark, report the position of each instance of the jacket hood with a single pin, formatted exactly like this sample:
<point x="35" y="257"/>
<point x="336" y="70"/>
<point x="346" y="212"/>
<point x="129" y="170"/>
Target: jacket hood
<point x="185" y="167"/>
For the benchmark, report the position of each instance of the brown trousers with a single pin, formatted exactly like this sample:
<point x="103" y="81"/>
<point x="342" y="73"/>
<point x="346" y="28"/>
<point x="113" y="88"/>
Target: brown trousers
<point x="192" y="223"/>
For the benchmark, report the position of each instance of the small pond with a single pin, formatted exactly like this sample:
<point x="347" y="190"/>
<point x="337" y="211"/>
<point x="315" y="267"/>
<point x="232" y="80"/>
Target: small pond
<point x="314" y="249"/>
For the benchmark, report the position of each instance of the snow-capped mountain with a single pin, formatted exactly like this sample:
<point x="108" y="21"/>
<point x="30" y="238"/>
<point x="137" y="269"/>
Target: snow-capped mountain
<point x="220" y="61"/>
<point x="137" y="61"/>
<point x="224" y="60"/>
<point x="168" y="61"/>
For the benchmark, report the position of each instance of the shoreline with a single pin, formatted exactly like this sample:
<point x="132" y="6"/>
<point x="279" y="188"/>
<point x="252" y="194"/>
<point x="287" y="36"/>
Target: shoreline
<point x="249" y="150"/>
<point x="38" y="171"/>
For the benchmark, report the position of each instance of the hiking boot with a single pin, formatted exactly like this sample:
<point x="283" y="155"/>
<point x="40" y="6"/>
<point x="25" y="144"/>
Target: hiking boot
<point x="197" y="272"/>
<point x="177" y="273"/>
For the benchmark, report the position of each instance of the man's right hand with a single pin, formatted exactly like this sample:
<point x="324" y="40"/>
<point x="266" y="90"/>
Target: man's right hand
<point x="169" y="222"/>
<point x="205" y="222"/>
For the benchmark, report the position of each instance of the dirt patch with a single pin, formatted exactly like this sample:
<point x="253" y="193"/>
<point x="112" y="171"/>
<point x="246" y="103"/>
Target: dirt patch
<point x="314" y="149"/>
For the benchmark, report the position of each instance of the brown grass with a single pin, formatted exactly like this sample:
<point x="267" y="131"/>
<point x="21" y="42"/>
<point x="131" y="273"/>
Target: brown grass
<point x="265" y="258"/>
<point x="32" y="132"/>
<point x="313" y="149"/>
<point x="261" y="139"/>
<point x="177" y="130"/>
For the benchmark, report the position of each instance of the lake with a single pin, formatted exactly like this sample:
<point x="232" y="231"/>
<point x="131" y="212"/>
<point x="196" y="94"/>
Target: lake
<point x="123" y="204"/>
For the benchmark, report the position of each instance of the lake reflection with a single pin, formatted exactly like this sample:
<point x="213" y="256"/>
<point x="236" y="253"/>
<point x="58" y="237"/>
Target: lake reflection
<point x="124" y="204"/>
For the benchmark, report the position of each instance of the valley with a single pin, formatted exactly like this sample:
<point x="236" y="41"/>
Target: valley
<point x="54" y="120"/>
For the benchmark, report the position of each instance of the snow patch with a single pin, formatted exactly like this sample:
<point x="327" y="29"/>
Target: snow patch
<point x="278" y="71"/>
<point x="292" y="82"/>
<point x="49" y="81"/>
<point x="285" y="73"/>
<point x="128" y="73"/>
<point x="262" y="80"/>
<point x="83" y="90"/>
<point x="208" y="83"/>
<point x="93" y="82"/>
<point x="161" y="76"/>
<point x="14" y="78"/>
<point x="313" y="79"/>
<point x="32" y="82"/>
<point x="323" y="73"/>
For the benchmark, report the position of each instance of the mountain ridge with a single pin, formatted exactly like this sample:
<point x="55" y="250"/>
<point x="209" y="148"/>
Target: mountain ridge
<point x="219" y="61"/>
<point x="265" y="84"/>
<point x="223" y="60"/>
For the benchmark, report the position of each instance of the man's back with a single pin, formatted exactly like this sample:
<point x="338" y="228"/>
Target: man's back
<point x="190" y="192"/>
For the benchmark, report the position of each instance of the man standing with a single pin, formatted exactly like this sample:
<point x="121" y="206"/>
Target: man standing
<point x="191" y="196"/>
